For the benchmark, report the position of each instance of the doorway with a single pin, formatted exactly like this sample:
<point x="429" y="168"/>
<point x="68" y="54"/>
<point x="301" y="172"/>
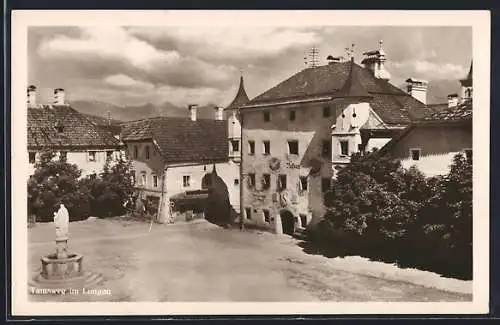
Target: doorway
<point x="287" y="222"/>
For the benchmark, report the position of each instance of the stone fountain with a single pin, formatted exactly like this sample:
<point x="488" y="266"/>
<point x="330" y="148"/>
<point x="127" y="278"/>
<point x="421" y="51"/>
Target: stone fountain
<point x="63" y="270"/>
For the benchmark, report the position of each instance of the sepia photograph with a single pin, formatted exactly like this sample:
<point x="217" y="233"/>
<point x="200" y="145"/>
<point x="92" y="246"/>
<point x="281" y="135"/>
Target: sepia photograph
<point x="251" y="162"/>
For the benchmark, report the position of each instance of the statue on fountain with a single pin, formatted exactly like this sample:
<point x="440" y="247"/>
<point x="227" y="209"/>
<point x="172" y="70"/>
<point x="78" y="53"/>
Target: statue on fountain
<point x="61" y="221"/>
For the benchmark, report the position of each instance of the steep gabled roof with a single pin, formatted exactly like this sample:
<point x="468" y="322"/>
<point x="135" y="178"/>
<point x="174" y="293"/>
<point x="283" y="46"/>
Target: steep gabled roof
<point x="241" y="97"/>
<point x="467" y="81"/>
<point x="333" y="80"/>
<point x="76" y="132"/>
<point x="353" y="88"/>
<point x="181" y="140"/>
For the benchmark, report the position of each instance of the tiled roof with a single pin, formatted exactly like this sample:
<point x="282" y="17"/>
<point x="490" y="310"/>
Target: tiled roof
<point x="459" y="115"/>
<point x="181" y="140"/>
<point x="241" y="97"/>
<point x="437" y="107"/>
<point x="77" y="130"/>
<point x="462" y="111"/>
<point x="392" y="104"/>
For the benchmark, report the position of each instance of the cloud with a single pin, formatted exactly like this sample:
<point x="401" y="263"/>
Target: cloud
<point x="106" y="42"/>
<point x="134" y="65"/>
<point x="234" y="43"/>
<point x="430" y="70"/>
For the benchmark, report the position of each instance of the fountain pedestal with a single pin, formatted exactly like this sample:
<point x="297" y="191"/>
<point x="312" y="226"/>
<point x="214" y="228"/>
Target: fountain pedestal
<point x="63" y="269"/>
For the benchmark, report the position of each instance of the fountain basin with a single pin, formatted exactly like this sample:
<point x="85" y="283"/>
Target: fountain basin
<point x="61" y="268"/>
<point x="64" y="273"/>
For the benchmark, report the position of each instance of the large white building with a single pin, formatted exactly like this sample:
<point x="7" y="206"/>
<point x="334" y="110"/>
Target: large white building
<point x="60" y="128"/>
<point x="295" y="134"/>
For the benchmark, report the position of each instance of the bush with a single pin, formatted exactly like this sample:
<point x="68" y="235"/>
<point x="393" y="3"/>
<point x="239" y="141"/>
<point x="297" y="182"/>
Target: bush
<point x="111" y="189"/>
<point x="56" y="181"/>
<point x="389" y="213"/>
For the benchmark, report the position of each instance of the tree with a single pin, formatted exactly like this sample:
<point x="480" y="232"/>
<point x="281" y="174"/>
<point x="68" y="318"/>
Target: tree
<point x="111" y="189"/>
<point x="55" y="181"/>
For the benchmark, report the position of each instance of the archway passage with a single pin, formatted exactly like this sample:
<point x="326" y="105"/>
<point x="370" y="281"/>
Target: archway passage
<point x="287" y="222"/>
<point x="218" y="206"/>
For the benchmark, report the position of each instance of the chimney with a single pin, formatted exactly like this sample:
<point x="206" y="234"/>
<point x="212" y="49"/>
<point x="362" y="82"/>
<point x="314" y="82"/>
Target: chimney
<point x="375" y="61"/>
<point x="417" y="88"/>
<point x="59" y="96"/>
<point x="219" y="113"/>
<point x="192" y="111"/>
<point x="31" y="96"/>
<point x="452" y="100"/>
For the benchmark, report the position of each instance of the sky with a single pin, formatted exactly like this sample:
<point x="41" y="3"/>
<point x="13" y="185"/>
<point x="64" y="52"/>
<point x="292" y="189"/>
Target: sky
<point x="126" y="65"/>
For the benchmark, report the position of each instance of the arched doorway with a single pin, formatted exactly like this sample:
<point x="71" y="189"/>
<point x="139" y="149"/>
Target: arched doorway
<point x="287" y="222"/>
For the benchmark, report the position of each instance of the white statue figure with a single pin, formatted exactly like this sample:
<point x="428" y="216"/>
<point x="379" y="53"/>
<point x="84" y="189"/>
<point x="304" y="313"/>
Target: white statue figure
<point x="61" y="221"/>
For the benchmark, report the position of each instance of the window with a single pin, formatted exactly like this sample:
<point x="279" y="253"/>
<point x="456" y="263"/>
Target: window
<point x="144" y="179"/>
<point x="267" y="216"/>
<point x="327" y="149"/>
<point x="109" y="154"/>
<point x="267" y="147"/>
<point x="132" y="176"/>
<point x="292" y="115"/>
<point x="325" y="184"/>
<point x="248" y="213"/>
<point x="415" y="154"/>
<point x="236" y="181"/>
<point x="468" y="155"/>
<point x="293" y="147"/>
<point x="267" y="116"/>
<point x="32" y="157"/>
<point x="303" y="183"/>
<point x="251" y="180"/>
<point x="266" y="181"/>
<point x="251" y="147"/>
<point x="235" y="145"/>
<point x="344" y="147"/>
<point x="186" y="179"/>
<point x="155" y="181"/>
<point x="326" y="111"/>
<point x="136" y="151"/>
<point x="92" y="155"/>
<point x="303" y="220"/>
<point x="146" y="152"/>
<point x="281" y="182"/>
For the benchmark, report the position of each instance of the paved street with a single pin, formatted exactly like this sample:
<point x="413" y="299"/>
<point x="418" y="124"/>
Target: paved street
<point x="201" y="262"/>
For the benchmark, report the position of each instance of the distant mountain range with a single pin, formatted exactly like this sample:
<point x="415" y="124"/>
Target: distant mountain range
<point x="437" y="93"/>
<point x="98" y="111"/>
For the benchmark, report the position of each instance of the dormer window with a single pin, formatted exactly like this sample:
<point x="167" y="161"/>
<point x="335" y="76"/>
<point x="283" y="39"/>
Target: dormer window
<point x="235" y="145"/>
<point x="59" y="127"/>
